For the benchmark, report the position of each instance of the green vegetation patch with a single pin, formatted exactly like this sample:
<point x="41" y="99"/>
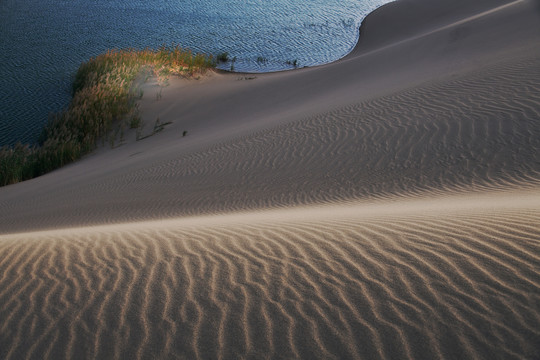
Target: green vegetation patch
<point x="104" y="96"/>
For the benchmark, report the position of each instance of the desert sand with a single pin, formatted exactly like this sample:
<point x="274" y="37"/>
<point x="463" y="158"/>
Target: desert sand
<point x="386" y="205"/>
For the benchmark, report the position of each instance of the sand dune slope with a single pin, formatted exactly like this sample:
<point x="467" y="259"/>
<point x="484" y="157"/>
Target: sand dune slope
<point x="414" y="283"/>
<point x="383" y="206"/>
<point x="472" y="130"/>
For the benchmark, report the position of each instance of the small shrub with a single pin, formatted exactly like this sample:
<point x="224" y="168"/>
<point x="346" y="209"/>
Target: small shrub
<point x="292" y="63"/>
<point x="223" y="57"/>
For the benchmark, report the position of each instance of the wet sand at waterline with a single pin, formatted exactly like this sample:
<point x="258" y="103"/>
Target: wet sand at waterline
<point x="383" y="206"/>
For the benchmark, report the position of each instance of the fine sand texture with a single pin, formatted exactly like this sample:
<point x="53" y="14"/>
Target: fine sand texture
<point x="383" y="206"/>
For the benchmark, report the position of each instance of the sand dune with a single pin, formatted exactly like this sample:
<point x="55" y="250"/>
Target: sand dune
<point x="344" y="283"/>
<point x="383" y="206"/>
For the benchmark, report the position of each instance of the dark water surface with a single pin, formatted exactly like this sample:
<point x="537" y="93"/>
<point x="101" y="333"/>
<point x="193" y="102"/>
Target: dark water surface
<point x="42" y="42"/>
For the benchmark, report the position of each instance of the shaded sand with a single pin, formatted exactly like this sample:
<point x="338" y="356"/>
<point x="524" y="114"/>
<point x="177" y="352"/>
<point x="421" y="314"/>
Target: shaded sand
<point x="383" y="206"/>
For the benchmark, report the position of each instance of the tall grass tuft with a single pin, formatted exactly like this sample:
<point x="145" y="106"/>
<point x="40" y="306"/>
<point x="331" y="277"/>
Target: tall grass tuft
<point x="104" y="94"/>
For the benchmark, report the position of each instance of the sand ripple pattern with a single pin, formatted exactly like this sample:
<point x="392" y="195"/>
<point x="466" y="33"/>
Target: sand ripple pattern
<point x="461" y="285"/>
<point x="452" y="134"/>
<point x="456" y="134"/>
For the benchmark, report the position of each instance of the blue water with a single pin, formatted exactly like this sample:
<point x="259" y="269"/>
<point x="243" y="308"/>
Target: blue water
<point x="42" y="42"/>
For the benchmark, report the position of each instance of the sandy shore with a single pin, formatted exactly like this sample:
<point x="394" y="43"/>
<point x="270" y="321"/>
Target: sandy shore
<point x="386" y="205"/>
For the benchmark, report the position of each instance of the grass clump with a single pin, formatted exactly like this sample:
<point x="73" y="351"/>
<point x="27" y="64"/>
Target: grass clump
<point x="104" y="96"/>
<point x="261" y="60"/>
<point x="292" y="63"/>
<point x="223" y="57"/>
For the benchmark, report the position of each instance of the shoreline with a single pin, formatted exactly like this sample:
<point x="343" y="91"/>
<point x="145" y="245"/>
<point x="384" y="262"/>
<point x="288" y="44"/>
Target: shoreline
<point x="36" y="110"/>
<point x="354" y="49"/>
<point x="29" y="151"/>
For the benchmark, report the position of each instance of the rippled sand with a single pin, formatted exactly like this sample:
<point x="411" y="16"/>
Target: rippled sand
<point x="384" y="206"/>
<point x="325" y="283"/>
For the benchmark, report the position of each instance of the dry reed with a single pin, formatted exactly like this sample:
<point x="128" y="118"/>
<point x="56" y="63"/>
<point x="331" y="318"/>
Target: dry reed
<point x="104" y="95"/>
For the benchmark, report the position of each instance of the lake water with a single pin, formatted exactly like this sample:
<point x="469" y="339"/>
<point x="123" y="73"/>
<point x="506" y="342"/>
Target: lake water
<point x="42" y="42"/>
